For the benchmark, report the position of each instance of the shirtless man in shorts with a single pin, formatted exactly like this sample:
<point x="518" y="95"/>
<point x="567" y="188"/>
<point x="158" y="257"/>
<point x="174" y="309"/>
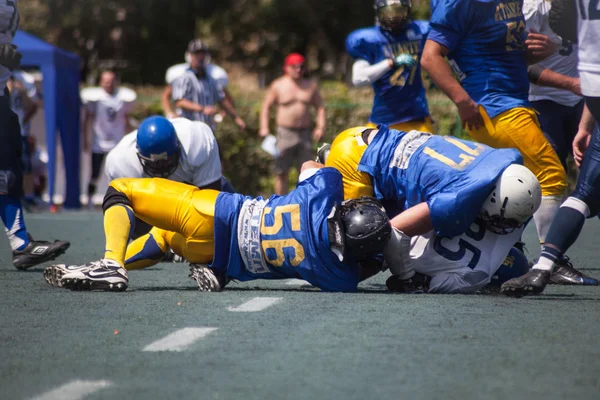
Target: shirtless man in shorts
<point x="294" y="96"/>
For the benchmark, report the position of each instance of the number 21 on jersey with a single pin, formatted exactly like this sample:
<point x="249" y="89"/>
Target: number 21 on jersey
<point x="292" y="211"/>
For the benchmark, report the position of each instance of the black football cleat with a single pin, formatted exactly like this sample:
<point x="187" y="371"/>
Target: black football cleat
<point x="37" y="252"/>
<point x="565" y="274"/>
<point x="417" y="284"/>
<point x="533" y="282"/>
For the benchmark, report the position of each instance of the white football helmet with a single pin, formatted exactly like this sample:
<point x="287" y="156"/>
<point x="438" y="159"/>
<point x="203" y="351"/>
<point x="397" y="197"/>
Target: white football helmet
<point x="516" y="197"/>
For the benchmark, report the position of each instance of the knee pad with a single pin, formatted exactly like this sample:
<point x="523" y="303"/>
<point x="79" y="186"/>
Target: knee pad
<point x="114" y="197"/>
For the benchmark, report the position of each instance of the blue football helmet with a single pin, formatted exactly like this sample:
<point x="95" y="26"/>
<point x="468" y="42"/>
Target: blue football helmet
<point x="515" y="264"/>
<point x="158" y="147"/>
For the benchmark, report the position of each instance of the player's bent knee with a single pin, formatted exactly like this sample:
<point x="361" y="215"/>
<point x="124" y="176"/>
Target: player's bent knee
<point x="115" y="195"/>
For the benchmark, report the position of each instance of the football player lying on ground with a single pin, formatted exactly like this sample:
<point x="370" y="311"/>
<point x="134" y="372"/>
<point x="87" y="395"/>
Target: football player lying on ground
<point x="308" y="234"/>
<point x="179" y="150"/>
<point x="439" y="183"/>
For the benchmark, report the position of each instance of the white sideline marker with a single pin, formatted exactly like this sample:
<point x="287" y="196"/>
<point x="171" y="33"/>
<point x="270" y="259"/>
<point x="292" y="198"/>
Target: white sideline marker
<point x="74" y="390"/>
<point x="256" y="304"/>
<point x="179" y="340"/>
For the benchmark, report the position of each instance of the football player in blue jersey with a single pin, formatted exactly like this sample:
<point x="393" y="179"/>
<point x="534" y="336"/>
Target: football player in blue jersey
<point x="488" y="47"/>
<point x="309" y="234"/>
<point x="387" y="57"/>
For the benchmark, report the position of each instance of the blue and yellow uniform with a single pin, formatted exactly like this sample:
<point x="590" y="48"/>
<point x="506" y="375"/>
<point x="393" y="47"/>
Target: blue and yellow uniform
<point x="284" y="236"/>
<point x="246" y="238"/>
<point x="404" y="169"/>
<point x="399" y="94"/>
<point x="485" y="40"/>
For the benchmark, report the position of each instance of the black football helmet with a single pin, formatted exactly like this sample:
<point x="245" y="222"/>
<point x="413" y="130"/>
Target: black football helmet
<point x="392" y="15"/>
<point x="366" y="227"/>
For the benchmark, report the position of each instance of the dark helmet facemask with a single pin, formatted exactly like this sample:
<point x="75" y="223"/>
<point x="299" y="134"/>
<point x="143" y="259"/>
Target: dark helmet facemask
<point x="159" y="165"/>
<point x="392" y="15"/>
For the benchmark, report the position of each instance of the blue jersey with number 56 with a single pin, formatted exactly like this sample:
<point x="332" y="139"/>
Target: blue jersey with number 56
<point x="284" y="236"/>
<point x="399" y="93"/>
<point x="485" y="39"/>
<point x="453" y="176"/>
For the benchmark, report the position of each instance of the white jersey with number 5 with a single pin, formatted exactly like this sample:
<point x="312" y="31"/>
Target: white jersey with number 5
<point x="199" y="163"/>
<point x="462" y="264"/>
<point x="9" y="23"/>
<point x="589" y="51"/>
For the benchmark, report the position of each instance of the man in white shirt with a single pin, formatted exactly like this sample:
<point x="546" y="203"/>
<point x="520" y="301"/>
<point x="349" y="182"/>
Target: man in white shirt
<point x="107" y="110"/>
<point x="559" y="109"/>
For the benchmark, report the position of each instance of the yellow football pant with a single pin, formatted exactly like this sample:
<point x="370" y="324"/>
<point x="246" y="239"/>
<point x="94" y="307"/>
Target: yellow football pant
<point x="519" y="128"/>
<point x="422" y="126"/>
<point x="182" y="217"/>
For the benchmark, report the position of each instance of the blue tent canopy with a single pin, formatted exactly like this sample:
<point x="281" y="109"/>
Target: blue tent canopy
<point x="61" y="71"/>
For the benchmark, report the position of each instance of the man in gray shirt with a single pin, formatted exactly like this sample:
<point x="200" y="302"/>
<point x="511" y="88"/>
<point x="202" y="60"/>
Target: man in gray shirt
<point x="196" y="94"/>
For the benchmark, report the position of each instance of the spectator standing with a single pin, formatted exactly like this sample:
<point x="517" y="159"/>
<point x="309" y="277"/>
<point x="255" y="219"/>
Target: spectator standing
<point x="197" y="94"/>
<point x="175" y="71"/>
<point x="107" y="110"/>
<point x="294" y="96"/>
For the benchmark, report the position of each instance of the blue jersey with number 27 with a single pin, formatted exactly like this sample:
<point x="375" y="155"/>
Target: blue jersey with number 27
<point x="453" y="176"/>
<point x="283" y="236"/>
<point x="485" y="39"/>
<point x="399" y="93"/>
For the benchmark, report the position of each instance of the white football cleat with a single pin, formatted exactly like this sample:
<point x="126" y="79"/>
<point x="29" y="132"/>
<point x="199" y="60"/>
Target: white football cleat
<point x="105" y="275"/>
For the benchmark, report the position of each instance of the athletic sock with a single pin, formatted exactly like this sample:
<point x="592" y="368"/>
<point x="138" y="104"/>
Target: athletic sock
<point x="11" y="212"/>
<point x="545" y="214"/>
<point x="119" y="222"/>
<point x="564" y="231"/>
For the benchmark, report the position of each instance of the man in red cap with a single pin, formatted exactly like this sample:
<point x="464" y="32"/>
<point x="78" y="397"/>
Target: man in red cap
<point x="294" y="96"/>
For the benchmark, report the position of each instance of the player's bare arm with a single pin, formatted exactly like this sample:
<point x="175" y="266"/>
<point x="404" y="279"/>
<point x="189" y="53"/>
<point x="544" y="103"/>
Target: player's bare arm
<point x="546" y="77"/>
<point x="317" y="101"/>
<point x="440" y="72"/>
<point x="165" y="101"/>
<point x="270" y="99"/>
<point x="229" y="109"/>
<point x="584" y="134"/>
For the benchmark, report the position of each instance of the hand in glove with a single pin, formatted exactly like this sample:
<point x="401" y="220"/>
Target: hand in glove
<point x="404" y="60"/>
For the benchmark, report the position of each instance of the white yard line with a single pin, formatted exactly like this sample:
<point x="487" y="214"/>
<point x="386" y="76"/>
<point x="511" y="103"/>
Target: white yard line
<point x="74" y="390"/>
<point x="179" y="340"/>
<point x="256" y="304"/>
<point x="296" y="282"/>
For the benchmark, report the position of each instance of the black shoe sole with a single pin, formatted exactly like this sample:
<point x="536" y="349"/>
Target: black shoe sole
<point x="59" y="251"/>
<point x="527" y="290"/>
<point x="89" y="285"/>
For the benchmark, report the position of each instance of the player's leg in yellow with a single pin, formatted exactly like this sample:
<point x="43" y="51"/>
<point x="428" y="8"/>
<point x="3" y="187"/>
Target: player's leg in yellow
<point x="519" y="128"/>
<point x="182" y="217"/>
<point x="426" y="125"/>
